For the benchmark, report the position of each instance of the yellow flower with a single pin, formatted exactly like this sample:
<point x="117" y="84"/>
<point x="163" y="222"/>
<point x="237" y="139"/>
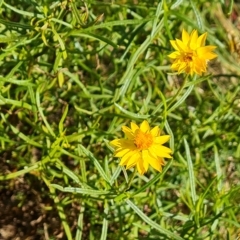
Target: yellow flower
<point x="191" y="56"/>
<point x="142" y="147"/>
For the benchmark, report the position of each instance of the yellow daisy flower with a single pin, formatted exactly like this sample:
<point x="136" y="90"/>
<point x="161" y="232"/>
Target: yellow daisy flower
<point x="191" y="56"/>
<point x="142" y="147"/>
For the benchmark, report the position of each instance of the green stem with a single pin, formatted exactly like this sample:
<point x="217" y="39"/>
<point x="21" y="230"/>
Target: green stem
<point x="19" y="173"/>
<point x="178" y="92"/>
<point x="131" y="178"/>
<point x="60" y="209"/>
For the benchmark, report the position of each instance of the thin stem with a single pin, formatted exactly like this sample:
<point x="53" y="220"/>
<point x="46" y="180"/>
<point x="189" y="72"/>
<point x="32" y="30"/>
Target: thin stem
<point x="131" y="178"/>
<point x="178" y="92"/>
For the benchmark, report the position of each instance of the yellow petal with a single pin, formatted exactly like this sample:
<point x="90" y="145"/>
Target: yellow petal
<point x="193" y="40"/>
<point x="145" y="159"/>
<point x="182" y="46"/>
<point x="128" y="132"/>
<point x="156" y="164"/>
<point x="185" y="36"/>
<point x="121" y="152"/>
<point x="201" y="40"/>
<point x="175" y="66"/>
<point x="117" y="142"/>
<point x="134" y="127"/>
<point x="155" y="131"/>
<point x="132" y="161"/>
<point x="126" y="157"/>
<point x="144" y="127"/>
<point x="140" y="168"/>
<point x="161" y="161"/>
<point x="174" y="55"/>
<point x="206" y="52"/>
<point x="123" y="143"/>
<point x="160" y="151"/>
<point x="161" y="139"/>
<point x="200" y="66"/>
<point x="183" y="67"/>
<point x="174" y="44"/>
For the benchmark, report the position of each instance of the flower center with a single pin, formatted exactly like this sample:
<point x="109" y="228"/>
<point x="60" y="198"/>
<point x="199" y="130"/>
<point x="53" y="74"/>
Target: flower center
<point x="143" y="140"/>
<point x="188" y="57"/>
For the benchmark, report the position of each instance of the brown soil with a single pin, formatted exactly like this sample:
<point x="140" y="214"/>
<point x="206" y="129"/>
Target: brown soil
<point x="23" y="211"/>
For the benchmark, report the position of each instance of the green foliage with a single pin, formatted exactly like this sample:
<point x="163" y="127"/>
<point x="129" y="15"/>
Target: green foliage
<point x="73" y="72"/>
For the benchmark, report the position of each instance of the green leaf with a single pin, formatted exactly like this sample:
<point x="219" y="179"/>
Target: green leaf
<point x="153" y="224"/>
<point x="190" y="172"/>
<point x="95" y="162"/>
<point x="86" y="191"/>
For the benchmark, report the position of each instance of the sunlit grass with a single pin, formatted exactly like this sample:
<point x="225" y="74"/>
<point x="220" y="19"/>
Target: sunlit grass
<point x="72" y="74"/>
